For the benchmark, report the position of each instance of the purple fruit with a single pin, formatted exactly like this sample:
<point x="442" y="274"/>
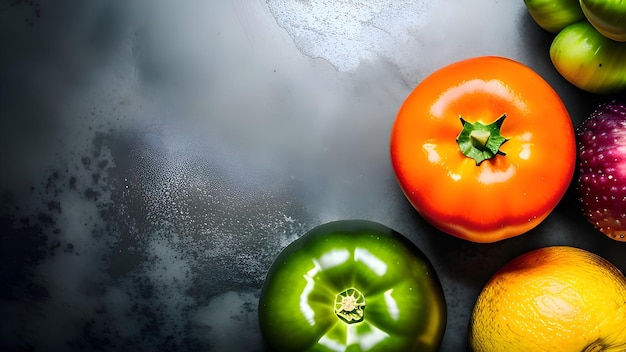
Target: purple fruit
<point x="602" y="169"/>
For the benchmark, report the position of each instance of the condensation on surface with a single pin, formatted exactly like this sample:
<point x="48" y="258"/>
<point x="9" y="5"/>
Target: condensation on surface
<point x="347" y="33"/>
<point x="212" y="201"/>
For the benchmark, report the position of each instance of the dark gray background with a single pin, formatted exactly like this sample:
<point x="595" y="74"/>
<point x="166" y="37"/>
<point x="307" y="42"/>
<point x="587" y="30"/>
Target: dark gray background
<point x="155" y="156"/>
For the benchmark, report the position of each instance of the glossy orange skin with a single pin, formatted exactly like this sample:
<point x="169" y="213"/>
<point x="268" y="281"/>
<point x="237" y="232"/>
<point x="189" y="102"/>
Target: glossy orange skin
<point x="504" y="196"/>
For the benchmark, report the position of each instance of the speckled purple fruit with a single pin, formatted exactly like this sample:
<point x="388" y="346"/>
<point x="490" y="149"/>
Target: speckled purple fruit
<point x="602" y="169"/>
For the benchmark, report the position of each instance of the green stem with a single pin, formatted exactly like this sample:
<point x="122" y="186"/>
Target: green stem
<point x="350" y="305"/>
<point x="479" y="138"/>
<point x="479" y="141"/>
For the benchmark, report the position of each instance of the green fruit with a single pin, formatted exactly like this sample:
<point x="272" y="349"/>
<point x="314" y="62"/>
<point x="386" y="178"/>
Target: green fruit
<point x="554" y="15"/>
<point x="607" y="16"/>
<point x="352" y="285"/>
<point x="589" y="60"/>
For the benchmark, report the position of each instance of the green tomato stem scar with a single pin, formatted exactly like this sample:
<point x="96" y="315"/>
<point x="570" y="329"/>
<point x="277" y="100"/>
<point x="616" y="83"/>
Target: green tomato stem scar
<point x="479" y="138"/>
<point x="479" y="141"/>
<point x="350" y="305"/>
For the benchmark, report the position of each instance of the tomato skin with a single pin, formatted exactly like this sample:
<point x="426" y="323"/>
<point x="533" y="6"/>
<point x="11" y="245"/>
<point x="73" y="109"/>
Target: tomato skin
<point x="504" y="196"/>
<point x="404" y="303"/>
<point x="554" y="15"/>
<point x="589" y="60"/>
<point x="607" y="17"/>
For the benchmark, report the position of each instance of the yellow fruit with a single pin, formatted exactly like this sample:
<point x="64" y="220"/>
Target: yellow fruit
<point x="552" y="299"/>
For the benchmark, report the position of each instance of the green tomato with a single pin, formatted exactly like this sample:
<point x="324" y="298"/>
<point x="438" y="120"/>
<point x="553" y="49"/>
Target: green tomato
<point x="607" y="16"/>
<point x="352" y="285"/>
<point x="554" y="15"/>
<point x="589" y="60"/>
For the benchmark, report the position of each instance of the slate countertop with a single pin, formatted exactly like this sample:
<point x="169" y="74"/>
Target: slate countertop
<point x="156" y="156"/>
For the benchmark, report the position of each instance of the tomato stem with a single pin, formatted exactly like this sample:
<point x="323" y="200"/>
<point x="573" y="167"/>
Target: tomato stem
<point x="350" y="305"/>
<point x="479" y="141"/>
<point x="479" y="138"/>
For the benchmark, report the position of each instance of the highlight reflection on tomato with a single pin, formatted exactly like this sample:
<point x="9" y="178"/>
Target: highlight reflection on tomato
<point x="484" y="149"/>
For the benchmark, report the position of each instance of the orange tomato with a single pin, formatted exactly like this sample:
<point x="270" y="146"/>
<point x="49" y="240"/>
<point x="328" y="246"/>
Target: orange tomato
<point x="523" y="176"/>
